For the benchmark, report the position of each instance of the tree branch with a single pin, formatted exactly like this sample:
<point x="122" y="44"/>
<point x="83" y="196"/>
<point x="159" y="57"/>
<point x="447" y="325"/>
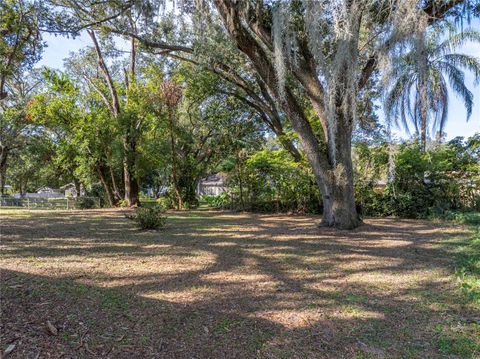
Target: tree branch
<point x="115" y="106"/>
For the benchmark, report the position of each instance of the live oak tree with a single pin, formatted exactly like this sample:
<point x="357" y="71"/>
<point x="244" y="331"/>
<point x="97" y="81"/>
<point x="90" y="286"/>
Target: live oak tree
<point x="314" y="58"/>
<point x="325" y="51"/>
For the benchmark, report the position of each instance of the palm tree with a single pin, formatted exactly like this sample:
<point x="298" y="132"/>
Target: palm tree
<point x="420" y="80"/>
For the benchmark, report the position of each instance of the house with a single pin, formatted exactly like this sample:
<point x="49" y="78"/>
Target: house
<point x="212" y="185"/>
<point x="43" y="192"/>
<point x="71" y="191"/>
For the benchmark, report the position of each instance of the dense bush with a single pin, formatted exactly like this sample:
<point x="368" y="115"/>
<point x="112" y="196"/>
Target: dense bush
<point x="270" y="181"/>
<point x="85" y="203"/>
<point x="98" y="191"/>
<point x="165" y="202"/>
<point x="399" y="180"/>
<point x="444" y="178"/>
<point x="223" y="200"/>
<point x="207" y="199"/>
<point x="148" y="217"/>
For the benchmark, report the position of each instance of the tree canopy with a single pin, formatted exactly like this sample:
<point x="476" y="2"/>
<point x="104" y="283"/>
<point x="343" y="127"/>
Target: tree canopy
<point x="169" y="92"/>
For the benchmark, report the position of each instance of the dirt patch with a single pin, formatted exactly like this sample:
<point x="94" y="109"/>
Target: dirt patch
<point x="222" y="285"/>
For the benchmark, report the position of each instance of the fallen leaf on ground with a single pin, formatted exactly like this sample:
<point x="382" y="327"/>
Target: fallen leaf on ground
<point x="51" y="328"/>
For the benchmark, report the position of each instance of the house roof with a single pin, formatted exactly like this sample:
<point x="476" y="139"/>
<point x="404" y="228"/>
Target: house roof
<point x="68" y="185"/>
<point x="48" y="189"/>
<point x="214" y="179"/>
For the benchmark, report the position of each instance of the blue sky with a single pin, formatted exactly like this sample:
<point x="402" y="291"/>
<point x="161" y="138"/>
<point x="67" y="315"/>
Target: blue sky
<point x="59" y="48"/>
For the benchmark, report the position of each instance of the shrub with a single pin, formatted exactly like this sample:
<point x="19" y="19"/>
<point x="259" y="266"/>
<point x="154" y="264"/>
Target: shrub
<point x="85" y="203"/>
<point x="122" y="203"/>
<point x="209" y="200"/>
<point x="98" y="191"/>
<point x="222" y="201"/>
<point x="165" y="202"/>
<point x="148" y="218"/>
<point x="442" y="179"/>
<point x="271" y="181"/>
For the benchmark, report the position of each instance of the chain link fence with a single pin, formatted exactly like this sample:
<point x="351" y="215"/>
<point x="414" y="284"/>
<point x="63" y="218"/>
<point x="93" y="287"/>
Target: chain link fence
<point x="51" y="203"/>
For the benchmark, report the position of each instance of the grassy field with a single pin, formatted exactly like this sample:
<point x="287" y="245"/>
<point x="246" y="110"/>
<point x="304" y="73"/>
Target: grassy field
<point x="87" y="284"/>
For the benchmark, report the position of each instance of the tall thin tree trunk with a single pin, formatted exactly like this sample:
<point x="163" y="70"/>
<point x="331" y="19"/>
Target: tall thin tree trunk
<point x="23" y="188"/>
<point x="242" y="201"/>
<point x="423" y="112"/>
<point x="423" y="79"/>
<point x="108" y="191"/>
<point x="77" y="187"/>
<point x="116" y="191"/>
<point x="130" y="142"/>
<point x="174" y="161"/>
<point x="108" y="163"/>
<point x="3" y="168"/>
<point x="130" y="178"/>
<point x="423" y="136"/>
<point x="240" y="182"/>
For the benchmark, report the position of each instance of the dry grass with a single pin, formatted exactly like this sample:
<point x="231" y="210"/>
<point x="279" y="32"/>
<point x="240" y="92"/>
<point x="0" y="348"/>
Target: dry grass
<point x="220" y="285"/>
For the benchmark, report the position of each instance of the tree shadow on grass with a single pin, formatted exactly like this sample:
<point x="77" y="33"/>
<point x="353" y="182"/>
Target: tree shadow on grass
<point x="230" y="286"/>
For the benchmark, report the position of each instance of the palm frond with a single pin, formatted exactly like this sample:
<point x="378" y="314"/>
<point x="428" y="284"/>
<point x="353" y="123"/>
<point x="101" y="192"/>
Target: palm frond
<point x="438" y="94"/>
<point x="397" y="100"/>
<point x="467" y="62"/>
<point x="455" y="41"/>
<point x="456" y="79"/>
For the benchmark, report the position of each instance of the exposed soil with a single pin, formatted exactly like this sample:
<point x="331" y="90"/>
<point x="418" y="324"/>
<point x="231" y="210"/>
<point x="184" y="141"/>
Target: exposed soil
<point x="87" y="284"/>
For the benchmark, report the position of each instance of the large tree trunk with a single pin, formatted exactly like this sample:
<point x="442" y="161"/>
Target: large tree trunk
<point x="3" y="168"/>
<point x="131" y="187"/>
<point x="338" y="193"/>
<point x="335" y="183"/>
